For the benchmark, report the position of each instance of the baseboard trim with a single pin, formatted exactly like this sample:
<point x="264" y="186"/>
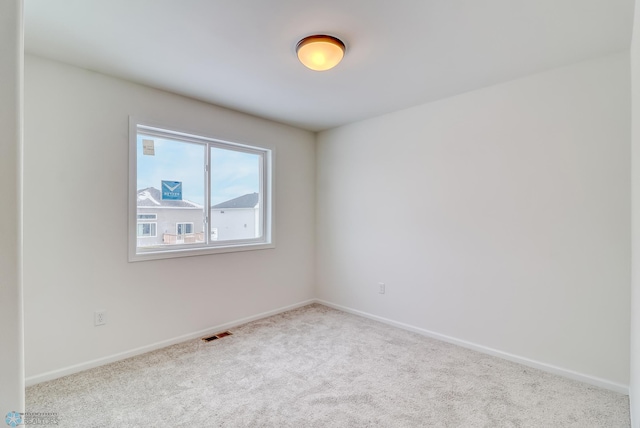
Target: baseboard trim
<point x="55" y="374"/>
<point x="635" y="416"/>
<point x="591" y="380"/>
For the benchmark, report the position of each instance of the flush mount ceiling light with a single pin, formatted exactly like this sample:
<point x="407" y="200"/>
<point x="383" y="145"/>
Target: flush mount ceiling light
<point x="320" y="52"/>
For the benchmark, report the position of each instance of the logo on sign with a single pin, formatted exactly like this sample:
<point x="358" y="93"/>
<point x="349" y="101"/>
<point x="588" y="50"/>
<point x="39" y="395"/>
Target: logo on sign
<point x="172" y="190"/>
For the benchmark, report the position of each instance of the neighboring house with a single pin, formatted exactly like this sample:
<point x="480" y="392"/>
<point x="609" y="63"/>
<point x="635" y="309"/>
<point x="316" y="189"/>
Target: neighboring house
<point x="166" y="222"/>
<point x="237" y="218"/>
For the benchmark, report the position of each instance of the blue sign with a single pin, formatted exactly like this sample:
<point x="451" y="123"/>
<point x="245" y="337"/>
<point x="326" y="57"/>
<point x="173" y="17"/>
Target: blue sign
<point x="172" y="190"/>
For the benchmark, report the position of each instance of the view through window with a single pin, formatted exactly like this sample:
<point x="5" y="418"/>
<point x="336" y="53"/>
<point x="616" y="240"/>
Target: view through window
<point x="197" y="193"/>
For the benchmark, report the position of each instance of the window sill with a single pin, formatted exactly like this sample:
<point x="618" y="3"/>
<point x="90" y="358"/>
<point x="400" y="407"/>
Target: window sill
<point x="190" y="252"/>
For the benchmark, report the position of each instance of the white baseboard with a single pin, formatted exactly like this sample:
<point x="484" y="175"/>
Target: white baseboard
<point x="634" y="406"/>
<point x="591" y="380"/>
<point x="54" y="374"/>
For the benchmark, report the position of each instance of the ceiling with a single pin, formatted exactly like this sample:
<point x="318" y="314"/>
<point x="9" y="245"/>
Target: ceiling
<point x="240" y="54"/>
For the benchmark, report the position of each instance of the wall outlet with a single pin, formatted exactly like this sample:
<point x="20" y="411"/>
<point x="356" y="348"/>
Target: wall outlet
<point x="381" y="287"/>
<point x="100" y="317"/>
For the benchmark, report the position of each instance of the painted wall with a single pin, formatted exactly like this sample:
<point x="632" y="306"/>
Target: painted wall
<point x="634" y="393"/>
<point x="11" y="343"/>
<point x="500" y="217"/>
<point x="76" y="171"/>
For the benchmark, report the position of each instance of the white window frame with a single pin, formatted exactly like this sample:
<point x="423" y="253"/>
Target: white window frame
<point x="184" y="223"/>
<point x="148" y="217"/>
<point x="155" y="229"/>
<point x="267" y="196"/>
<point x="178" y="235"/>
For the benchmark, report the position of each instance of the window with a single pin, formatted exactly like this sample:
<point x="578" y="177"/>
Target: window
<point x="147" y="230"/>
<point x="204" y="195"/>
<point x="184" y="228"/>
<point x="147" y="216"/>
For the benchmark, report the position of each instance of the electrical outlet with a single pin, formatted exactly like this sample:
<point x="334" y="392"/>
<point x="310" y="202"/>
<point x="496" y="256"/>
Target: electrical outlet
<point x="100" y="317"/>
<point x="381" y="287"/>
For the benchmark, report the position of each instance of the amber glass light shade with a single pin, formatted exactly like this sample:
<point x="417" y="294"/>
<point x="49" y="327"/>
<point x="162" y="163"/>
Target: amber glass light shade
<point x="320" y="53"/>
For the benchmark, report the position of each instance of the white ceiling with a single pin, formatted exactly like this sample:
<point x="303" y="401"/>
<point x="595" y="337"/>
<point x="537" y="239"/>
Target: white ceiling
<point x="241" y="53"/>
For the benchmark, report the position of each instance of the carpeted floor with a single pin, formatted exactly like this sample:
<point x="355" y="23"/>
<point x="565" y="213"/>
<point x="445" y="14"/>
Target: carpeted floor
<point x="318" y="367"/>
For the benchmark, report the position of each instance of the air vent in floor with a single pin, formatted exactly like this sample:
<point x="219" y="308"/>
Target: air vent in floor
<point x="216" y="336"/>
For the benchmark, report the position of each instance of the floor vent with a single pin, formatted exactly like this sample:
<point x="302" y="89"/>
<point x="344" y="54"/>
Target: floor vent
<point x="216" y="336"/>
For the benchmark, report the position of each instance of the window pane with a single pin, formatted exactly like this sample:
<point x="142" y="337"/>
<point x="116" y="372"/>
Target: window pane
<point x="146" y="230"/>
<point x="146" y="216"/>
<point x="236" y="195"/>
<point x="170" y="190"/>
<point x="196" y="195"/>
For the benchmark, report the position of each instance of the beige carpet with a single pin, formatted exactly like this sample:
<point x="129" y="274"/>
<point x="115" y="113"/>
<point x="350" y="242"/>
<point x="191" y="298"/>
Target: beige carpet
<point x="318" y="367"/>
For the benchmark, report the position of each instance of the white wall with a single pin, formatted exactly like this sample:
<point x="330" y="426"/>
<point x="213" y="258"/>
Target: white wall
<point x="11" y="343"/>
<point x="500" y="217"/>
<point x="634" y="394"/>
<point x="76" y="174"/>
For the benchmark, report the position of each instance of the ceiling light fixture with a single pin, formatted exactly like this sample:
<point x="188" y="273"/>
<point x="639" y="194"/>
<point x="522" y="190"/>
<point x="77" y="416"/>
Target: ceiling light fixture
<point x="320" y="52"/>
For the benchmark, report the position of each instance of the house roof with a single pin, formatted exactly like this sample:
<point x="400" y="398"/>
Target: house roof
<point x="151" y="197"/>
<point x="250" y="200"/>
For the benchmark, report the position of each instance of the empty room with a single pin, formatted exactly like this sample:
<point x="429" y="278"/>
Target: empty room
<point x="346" y="213"/>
